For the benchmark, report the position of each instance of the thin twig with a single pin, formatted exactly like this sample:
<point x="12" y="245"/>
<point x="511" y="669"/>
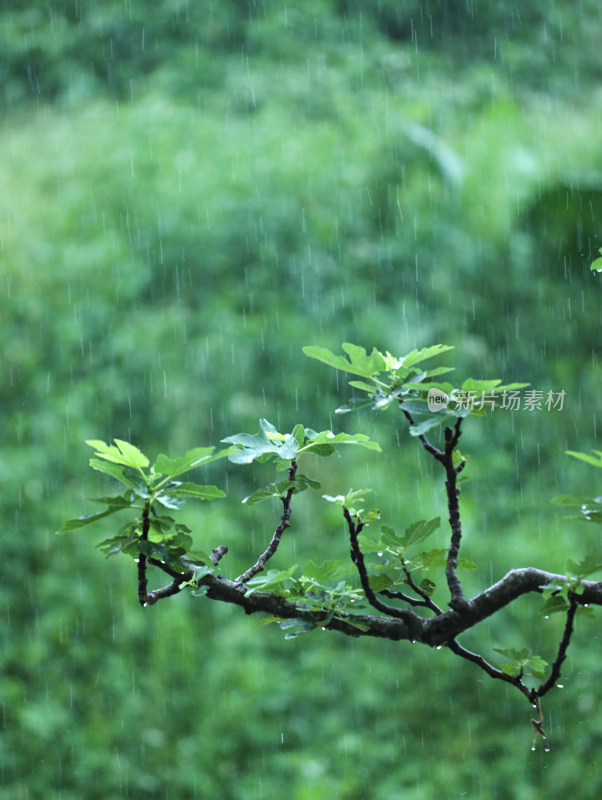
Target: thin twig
<point x="411" y="601"/>
<point x="430" y="448"/>
<point x="284" y="523"/>
<point x="167" y="591"/>
<point x="427" y="601"/>
<point x="162" y="565"/>
<point x="492" y="671"/>
<point x="562" y="648"/>
<point x="179" y="578"/>
<point x="358" y="559"/>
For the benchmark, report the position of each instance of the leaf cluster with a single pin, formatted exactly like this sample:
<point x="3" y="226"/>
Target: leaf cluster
<point x="556" y="596"/>
<point x="395" y="568"/>
<point x="522" y="664"/>
<point x="314" y="593"/>
<point x="148" y="488"/>
<point x="388" y="379"/>
<point x="270" y="445"/>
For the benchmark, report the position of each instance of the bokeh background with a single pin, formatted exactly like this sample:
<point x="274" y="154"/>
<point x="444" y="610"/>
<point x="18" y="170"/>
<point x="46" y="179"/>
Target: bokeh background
<point x="192" y="192"/>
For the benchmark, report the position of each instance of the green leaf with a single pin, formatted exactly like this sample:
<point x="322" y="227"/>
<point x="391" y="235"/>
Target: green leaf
<point x="510" y="669"/>
<point x="574" y="500"/>
<point x="296" y="627"/>
<point x="365" y="387"/>
<point x="536" y="666"/>
<point x="510" y="387"/>
<point x="472" y="385"/>
<point x="303" y="480"/>
<point x="433" y="373"/>
<point x="86" y="519"/>
<point x="323" y="572"/>
<point x="190" y="460"/>
<point x="427" y="352"/>
<point x="555" y="604"/>
<point x="438" y="558"/>
<point x="168" y="501"/>
<point x="351" y="620"/>
<point x="521" y="661"/>
<point x="272" y="580"/>
<point x="161" y="524"/>
<point x="517" y="656"/>
<point x="125" y="541"/>
<point x="298" y="433"/>
<point x="199" y="574"/>
<point x="596" y="265"/>
<point x="280" y="488"/>
<point x="419" y="530"/>
<point x="381" y="581"/>
<point x="432" y="421"/>
<point x="458" y="458"/>
<point x="125" y="453"/>
<point x="259" y="496"/>
<point x="268" y="442"/>
<point x="348" y="499"/>
<point x="370" y="545"/>
<point x="589" y="564"/>
<point x="360" y="363"/>
<point x="327" y="439"/>
<point x="193" y="490"/>
<point x="354" y="405"/>
<point x="390" y="539"/>
<point x="595" y="461"/>
<point x="114" y="504"/>
<point x="115" y="471"/>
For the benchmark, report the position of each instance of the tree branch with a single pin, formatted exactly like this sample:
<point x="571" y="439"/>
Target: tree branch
<point x="430" y="448"/>
<point x="451" y="570"/>
<point x="492" y="671"/>
<point x="284" y="523"/>
<point x="358" y="559"/>
<point x="227" y="591"/>
<point x="142" y="580"/>
<point x="178" y="577"/>
<point x="562" y="647"/>
<point x="426" y="601"/>
<point x="445" y="457"/>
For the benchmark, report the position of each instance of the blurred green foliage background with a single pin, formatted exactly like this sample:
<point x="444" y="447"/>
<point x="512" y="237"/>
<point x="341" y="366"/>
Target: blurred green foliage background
<point x="191" y="192"/>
